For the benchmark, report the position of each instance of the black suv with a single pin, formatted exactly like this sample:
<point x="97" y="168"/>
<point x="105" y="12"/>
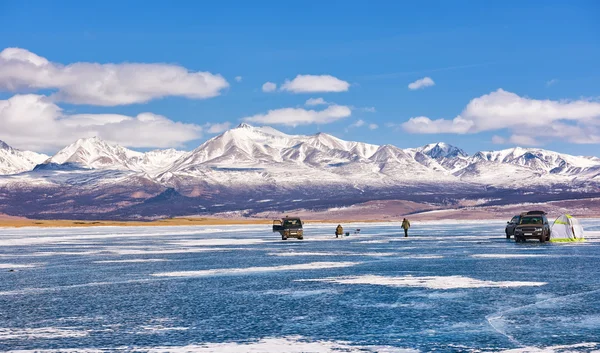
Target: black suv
<point x="511" y="225"/>
<point x="289" y="227"/>
<point x="533" y="225"/>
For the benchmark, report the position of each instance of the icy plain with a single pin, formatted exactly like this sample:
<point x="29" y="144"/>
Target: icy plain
<point x="449" y="287"/>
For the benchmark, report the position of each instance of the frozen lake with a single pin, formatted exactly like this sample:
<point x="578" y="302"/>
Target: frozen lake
<point x="452" y="287"/>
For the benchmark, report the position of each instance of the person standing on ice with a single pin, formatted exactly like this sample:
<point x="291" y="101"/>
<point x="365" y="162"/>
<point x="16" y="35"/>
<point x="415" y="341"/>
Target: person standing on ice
<point x="405" y="226"/>
<point x="339" y="231"/>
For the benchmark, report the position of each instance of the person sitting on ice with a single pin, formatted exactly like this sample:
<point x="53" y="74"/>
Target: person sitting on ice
<point x="339" y="231"/>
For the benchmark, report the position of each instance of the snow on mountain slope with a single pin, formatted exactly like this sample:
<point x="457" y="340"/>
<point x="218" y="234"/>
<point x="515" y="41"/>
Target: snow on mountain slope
<point x="248" y="155"/>
<point x="451" y="158"/>
<point x="94" y="153"/>
<point x="13" y="161"/>
<point x="545" y="161"/>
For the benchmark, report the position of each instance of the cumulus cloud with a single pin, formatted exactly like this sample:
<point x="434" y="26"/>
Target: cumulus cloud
<point x="299" y="116"/>
<point x="269" y="87"/>
<point x="217" y="128"/>
<point x="315" y="83"/>
<point x="373" y="126"/>
<point x="523" y="140"/>
<point x="34" y="122"/>
<point x="421" y="83"/>
<point x="238" y="79"/>
<point x="424" y="125"/>
<point x="577" y="121"/>
<point x="358" y="123"/>
<point x="369" y="109"/>
<point x="103" y="84"/>
<point x="498" y="140"/>
<point x="315" y="101"/>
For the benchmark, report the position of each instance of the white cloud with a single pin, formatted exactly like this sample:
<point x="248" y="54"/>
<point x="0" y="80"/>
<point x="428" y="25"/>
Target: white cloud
<point x="421" y="83"/>
<point x="498" y="140"/>
<point x="238" y="78"/>
<point x="373" y="126"/>
<point x="358" y="123"/>
<point x="551" y="82"/>
<point x="523" y="140"/>
<point x="424" y="125"/>
<point x="34" y="122"/>
<point x="299" y="116"/>
<point x="217" y="128"/>
<point x="104" y="84"/>
<point x="269" y="87"/>
<point x="574" y="121"/>
<point x="315" y="83"/>
<point x="369" y="109"/>
<point x="315" y="101"/>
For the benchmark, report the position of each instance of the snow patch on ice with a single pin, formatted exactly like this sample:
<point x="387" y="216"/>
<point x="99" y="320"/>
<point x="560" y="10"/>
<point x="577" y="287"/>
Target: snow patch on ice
<point x="431" y="282"/>
<point x="234" y="271"/>
<point x="218" y="242"/>
<point x="341" y="253"/>
<point x="129" y="261"/>
<point x="300" y="293"/>
<point x="293" y="344"/>
<point x="506" y="256"/>
<point x="554" y="349"/>
<point x="11" y="266"/>
<point x="8" y="333"/>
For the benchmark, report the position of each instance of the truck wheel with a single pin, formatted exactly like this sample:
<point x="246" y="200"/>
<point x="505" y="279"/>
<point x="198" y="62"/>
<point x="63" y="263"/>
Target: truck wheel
<point x="283" y="237"/>
<point x="300" y="238"/>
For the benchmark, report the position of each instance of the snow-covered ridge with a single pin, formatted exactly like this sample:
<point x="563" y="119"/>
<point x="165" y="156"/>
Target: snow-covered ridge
<point x="248" y="155"/>
<point x="13" y="161"/>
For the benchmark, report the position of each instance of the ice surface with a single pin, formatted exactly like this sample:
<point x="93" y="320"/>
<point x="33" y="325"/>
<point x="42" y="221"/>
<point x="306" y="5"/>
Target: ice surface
<point x="233" y="271"/>
<point x="449" y="287"/>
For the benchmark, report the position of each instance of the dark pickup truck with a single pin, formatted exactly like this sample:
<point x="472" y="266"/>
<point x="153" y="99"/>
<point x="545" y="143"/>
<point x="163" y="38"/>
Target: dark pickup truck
<point x="289" y="227"/>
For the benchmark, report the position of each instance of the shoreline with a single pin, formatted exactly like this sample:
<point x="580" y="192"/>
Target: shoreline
<point x="206" y="221"/>
<point x="171" y="222"/>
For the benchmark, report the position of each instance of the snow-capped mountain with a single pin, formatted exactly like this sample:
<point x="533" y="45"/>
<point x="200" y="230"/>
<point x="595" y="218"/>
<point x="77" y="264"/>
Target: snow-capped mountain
<point x="94" y="153"/>
<point x="259" y="167"/>
<point x="13" y="161"/>
<point x="543" y="161"/>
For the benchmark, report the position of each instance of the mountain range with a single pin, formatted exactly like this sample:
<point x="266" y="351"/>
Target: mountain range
<point x="249" y="169"/>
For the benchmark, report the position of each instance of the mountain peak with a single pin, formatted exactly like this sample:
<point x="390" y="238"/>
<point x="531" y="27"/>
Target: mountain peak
<point x="442" y="150"/>
<point x="244" y="126"/>
<point x="4" y="145"/>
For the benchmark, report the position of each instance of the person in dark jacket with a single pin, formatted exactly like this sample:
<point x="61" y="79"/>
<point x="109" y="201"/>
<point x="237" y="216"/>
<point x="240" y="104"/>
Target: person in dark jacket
<point x="405" y="226"/>
<point x="339" y="231"/>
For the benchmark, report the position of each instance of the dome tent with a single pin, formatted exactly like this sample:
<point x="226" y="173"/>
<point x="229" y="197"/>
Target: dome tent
<point x="566" y="228"/>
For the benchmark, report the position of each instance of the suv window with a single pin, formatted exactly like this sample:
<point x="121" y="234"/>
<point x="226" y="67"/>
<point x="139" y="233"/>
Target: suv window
<point x="292" y="223"/>
<point x="515" y="219"/>
<point x="532" y="220"/>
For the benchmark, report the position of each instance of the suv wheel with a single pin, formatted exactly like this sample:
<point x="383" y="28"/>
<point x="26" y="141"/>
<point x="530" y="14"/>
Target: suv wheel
<point x="507" y="235"/>
<point x="543" y="238"/>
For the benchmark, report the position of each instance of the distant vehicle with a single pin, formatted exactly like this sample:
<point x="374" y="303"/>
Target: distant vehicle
<point x="289" y="227"/>
<point x="533" y="225"/>
<point x="511" y="225"/>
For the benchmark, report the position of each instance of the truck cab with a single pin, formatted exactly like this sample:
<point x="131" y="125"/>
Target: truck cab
<point x="289" y="227"/>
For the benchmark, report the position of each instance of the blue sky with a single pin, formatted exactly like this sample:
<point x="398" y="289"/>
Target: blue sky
<point x="544" y="55"/>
